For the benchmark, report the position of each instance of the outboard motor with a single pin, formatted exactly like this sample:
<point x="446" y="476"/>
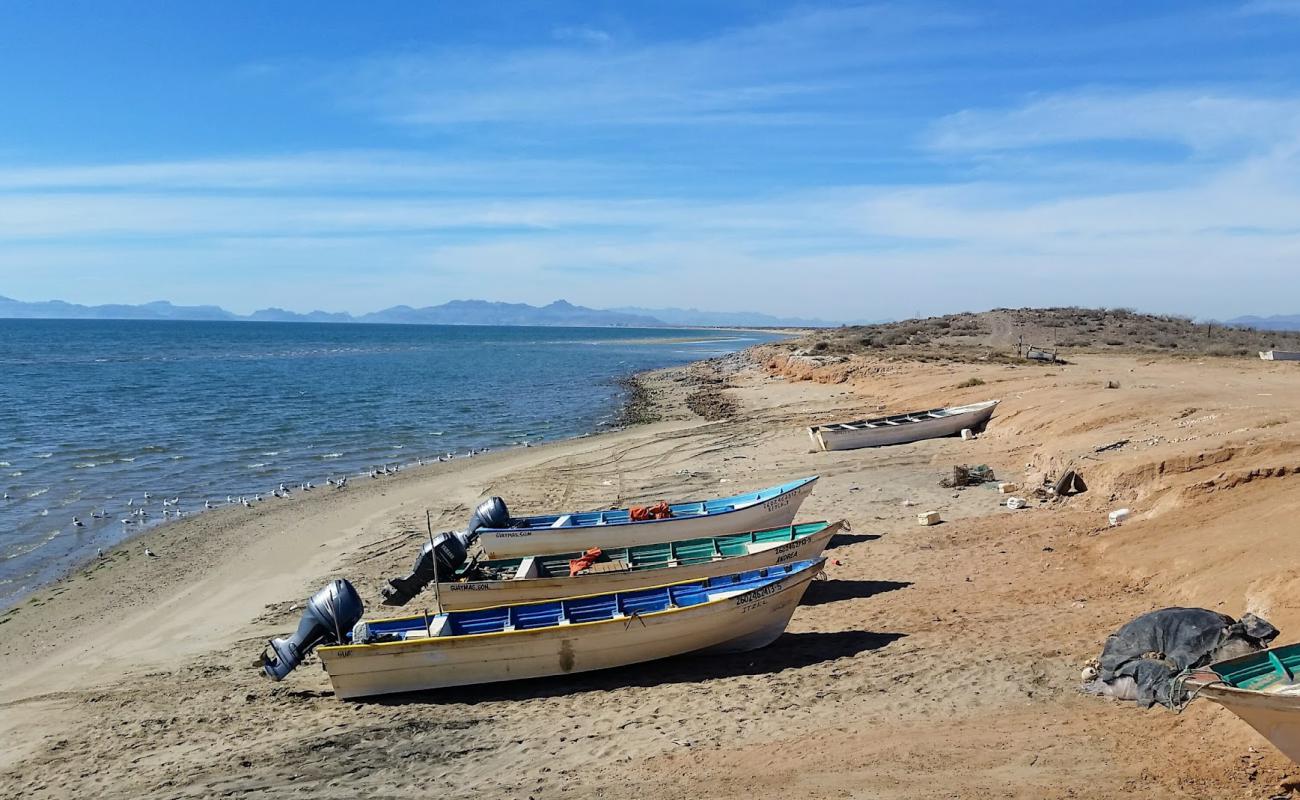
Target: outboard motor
<point x="491" y="513"/>
<point x="330" y="614"/>
<point x="448" y="549"/>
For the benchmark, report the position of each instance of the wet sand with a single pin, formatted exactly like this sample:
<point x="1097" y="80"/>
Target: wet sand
<point x="935" y="662"/>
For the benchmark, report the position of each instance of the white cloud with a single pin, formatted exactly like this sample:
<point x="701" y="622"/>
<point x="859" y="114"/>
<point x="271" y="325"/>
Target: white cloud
<point x="757" y="73"/>
<point x="583" y="34"/>
<point x="1264" y="7"/>
<point x="343" y="170"/>
<point x="1206" y="122"/>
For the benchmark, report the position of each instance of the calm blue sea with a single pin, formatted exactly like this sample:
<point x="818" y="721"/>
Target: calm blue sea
<point x="96" y="413"/>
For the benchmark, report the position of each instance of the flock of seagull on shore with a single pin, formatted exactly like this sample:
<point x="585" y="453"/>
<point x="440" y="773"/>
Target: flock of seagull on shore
<point x="138" y="513"/>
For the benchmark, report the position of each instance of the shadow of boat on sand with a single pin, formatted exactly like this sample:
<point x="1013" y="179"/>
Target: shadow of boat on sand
<point x="791" y="651"/>
<point x="846" y="539"/>
<point x="834" y="590"/>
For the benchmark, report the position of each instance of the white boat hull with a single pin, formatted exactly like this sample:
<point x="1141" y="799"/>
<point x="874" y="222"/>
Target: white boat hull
<point x="832" y="437"/>
<point x="458" y="596"/>
<point x="775" y="512"/>
<point x="746" y="621"/>
<point x="1276" y="717"/>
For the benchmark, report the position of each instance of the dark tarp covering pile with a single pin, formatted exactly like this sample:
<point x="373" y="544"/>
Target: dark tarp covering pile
<point x="1157" y="646"/>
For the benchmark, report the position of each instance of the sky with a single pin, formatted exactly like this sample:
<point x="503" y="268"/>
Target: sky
<point x="843" y="161"/>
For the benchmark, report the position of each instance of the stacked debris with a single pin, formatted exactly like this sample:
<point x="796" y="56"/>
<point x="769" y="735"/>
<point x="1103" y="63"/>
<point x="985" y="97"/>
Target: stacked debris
<point x="965" y="475"/>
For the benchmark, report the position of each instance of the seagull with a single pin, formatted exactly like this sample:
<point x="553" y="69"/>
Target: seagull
<point x="6" y="495"/>
<point x="45" y="512"/>
<point x="128" y="521"/>
<point x="78" y="523"/>
<point x="207" y="504"/>
<point x="282" y="488"/>
<point x="99" y="552"/>
<point x="97" y="515"/>
<point x="229" y="500"/>
<point x="147" y="496"/>
<point x="245" y="502"/>
<point x="166" y="502"/>
<point x="257" y="498"/>
<point x="150" y="553"/>
<point x="131" y="502"/>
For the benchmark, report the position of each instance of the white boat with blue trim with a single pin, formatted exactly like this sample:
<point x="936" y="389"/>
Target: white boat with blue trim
<point x="773" y="507"/>
<point x="731" y="613"/>
<point x="901" y="428"/>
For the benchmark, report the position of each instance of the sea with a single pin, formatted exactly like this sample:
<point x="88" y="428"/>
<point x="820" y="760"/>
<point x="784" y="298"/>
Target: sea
<point x="95" y="414"/>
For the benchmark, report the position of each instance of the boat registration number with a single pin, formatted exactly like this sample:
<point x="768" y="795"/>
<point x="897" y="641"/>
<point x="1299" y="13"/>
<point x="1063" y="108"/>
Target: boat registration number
<point x="758" y="598"/>
<point x="780" y="501"/>
<point x="788" y="552"/>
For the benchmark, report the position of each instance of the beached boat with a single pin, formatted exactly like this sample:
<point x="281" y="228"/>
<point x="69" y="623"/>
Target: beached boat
<point x="728" y="613"/>
<point x="1261" y="688"/>
<point x="536" y="578"/>
<point x="900" y="428"/>
<point x="774" y="507"/>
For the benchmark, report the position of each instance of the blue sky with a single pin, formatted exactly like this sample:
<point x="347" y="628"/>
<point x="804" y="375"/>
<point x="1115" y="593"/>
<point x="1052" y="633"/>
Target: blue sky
<point x="835" y="160"/>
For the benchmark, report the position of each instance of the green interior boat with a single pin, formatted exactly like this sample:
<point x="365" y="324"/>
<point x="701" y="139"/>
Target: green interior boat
<point x="645" y="557"/>
<point x="1266" y="671"/>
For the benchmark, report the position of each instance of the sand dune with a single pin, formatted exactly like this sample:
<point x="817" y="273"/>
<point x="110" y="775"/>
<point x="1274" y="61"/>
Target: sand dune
<point x="934" y="662"/>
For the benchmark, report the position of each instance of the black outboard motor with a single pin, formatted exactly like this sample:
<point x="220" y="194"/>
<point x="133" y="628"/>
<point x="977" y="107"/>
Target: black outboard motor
<point x="491" y="513"/>
<point x="330" y="614"/>
<point x="449" y="550"/>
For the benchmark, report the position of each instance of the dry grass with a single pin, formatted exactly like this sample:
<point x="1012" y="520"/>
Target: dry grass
<point x="994" y="335"/>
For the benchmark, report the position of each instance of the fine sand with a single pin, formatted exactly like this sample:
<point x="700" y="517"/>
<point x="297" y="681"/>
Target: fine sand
<point x="935" y="662"/>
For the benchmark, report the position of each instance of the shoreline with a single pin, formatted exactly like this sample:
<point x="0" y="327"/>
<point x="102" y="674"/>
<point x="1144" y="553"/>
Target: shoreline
<point x="616" y="419"/>
<point x="935" y="660"/>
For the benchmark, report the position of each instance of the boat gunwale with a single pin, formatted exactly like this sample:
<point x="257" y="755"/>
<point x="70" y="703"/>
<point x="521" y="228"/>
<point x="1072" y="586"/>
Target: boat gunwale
<point x="955" y="411"/>
<point x="794" y="486"/>
<point x="828" y="528"/>
<point x="816" y="563"/>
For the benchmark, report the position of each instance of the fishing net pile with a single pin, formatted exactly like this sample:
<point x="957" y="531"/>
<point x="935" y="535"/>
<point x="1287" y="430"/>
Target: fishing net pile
<point x="1141" y="659"/>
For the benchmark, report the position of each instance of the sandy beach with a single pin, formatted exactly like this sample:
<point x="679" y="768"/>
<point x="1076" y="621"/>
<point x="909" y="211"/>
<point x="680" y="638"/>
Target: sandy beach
<point x="934" y="662"/>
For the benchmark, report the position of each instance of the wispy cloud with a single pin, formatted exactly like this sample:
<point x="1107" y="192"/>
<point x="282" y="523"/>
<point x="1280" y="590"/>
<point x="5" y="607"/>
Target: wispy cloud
<point x="583" y="34"/>
<point x="1205" y="122"/>
<point x="771" y="72"/>
<point x="385" y="171"/>
<point x="1283" y="7"/>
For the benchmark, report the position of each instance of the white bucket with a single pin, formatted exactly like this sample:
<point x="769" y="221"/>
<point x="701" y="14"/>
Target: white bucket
<point x="1119" y="515"/>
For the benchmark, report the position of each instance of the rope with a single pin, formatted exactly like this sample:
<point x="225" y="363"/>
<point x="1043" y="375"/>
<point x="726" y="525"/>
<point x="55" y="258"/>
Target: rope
<point x="1176" y="689"/>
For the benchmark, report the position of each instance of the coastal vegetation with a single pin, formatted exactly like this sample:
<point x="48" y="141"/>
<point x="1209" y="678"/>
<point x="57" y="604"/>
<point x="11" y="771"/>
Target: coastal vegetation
<point x="998" y="334"/>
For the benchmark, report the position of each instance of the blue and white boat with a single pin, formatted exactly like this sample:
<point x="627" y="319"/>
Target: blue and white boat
<point x="731" y="613"/>
<point x="774" y="507"/>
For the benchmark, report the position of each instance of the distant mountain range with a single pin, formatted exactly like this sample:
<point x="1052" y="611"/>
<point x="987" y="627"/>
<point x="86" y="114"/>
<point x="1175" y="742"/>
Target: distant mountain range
<point x="721" y="319"/>
<point x="456" y="312"/>
<point x="1278" y="322"/>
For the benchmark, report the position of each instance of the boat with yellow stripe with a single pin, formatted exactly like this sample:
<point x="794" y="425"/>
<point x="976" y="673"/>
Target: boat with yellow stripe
<point x="729" y="613"/>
